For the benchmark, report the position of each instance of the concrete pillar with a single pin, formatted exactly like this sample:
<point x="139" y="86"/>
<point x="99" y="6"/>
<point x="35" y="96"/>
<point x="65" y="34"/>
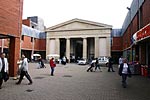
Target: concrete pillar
<point x="14" y="54"/>
<point x="84" y="48"/>
<point x="96" y="55"/>
<point x="57" y="47"/>
<point x="52" y="46"/>
<point x="33" y="44"/>
<point x="108" y="48"/>
<point x="68" y="49"/>
<point x="47" y="46"/>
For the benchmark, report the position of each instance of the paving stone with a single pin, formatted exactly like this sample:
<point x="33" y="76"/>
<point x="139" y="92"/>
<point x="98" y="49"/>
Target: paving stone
<point x="72" y="82"/>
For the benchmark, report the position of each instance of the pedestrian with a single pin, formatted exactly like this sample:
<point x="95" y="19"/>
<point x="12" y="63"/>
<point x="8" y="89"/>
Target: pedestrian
<point x="64" y="60"/>
<point x="97" y="65"/>
<point x="110" y="65"/>
<point x="24" y="71"/>
<point x="120" y="61"/>
<point x="52" y="65"/>
<point x="92" y="66"/>
<point x="3" y="69"/>
<point x="124" y="71"/>
<point x="41" y="63"/>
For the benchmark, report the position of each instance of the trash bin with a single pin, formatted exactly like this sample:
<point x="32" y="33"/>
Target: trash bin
<point x="145" y="71"/>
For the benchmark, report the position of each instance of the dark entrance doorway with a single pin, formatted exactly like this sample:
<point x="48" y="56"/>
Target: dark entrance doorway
<point x="78" y="49"/>
<point x="62" y="47"/>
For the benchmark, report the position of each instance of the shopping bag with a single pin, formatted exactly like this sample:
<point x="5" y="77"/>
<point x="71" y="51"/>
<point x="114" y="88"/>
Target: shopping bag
<point x="6" y="76"/>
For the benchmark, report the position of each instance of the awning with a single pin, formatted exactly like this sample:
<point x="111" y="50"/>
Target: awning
<point x="36" y="55"/>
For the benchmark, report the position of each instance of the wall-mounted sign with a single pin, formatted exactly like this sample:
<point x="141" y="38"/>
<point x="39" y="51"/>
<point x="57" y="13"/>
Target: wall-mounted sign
<point x="142" y="34"/>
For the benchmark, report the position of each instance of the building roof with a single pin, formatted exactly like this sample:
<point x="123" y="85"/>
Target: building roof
<point x="136" y="4"/>
<point x="81" y="21"/>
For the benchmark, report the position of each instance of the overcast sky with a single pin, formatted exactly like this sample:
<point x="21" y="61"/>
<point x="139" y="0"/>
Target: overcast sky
<point x="53" y="12"/>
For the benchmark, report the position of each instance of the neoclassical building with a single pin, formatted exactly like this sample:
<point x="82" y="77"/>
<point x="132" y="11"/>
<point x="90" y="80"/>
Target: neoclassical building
<point x="79" y="38"/>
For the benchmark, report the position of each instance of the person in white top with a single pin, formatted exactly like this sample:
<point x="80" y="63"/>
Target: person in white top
<point x="120" y="61"/>
<point x="3" y="68"/>
<point x="24" y="71"/>
<point x="124" y="71"/>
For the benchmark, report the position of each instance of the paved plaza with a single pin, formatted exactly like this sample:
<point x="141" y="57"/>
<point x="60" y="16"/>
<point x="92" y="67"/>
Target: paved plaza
<point x="72" y="82"/>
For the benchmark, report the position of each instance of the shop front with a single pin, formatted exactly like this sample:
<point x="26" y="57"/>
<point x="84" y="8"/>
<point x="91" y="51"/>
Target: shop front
<point x="141" y="49"/>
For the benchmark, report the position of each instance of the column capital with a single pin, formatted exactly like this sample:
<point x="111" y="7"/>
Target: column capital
<point x="84" y="37"/>
<point x="67" y="38"/>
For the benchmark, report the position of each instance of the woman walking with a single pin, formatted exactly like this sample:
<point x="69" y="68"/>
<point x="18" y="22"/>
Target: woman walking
<point x="124" y="71"/>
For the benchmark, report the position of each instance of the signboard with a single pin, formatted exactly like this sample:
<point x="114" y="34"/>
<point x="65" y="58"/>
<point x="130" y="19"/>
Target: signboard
<point x="142" y="34"/>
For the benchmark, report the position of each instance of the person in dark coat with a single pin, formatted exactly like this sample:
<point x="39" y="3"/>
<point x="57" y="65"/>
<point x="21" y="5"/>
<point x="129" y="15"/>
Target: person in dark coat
<point x="124" y="71"/>
<point x="91" y="67"/>
<point x="41" y="63"/>
<point x="3" y="68"/>
<point x="110" y="65"/>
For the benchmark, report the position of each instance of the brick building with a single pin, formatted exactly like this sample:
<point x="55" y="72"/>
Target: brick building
<point x="135" y="33"/>
<point x="10" y="30"/>
<point x="32" y="41"/>
<point x="16" y="38"/>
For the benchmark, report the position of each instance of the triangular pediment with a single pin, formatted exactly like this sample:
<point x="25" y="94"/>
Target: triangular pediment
<point x="78" y="24"/>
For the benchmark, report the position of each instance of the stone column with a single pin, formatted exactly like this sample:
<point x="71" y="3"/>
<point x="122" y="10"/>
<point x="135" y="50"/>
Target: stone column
<point x="84" y="48"/>
<point x="47" y="46"/>
<point x="96" y="47"/>
<point x="57" y="47"/>
<point x="14" y="55"/>
<point x="108" y="46"/>
<point x="68" y="49"/>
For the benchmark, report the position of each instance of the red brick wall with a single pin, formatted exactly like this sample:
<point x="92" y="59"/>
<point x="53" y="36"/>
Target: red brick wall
<point x="146" y="12"/>
<point x="117" y="44"/>
<point x="135" y="25"/>
<point x="39" y="44"/>
<point x="11" y="17"/>
<point x="26" y="43"/>
<point x="26" y="22"/>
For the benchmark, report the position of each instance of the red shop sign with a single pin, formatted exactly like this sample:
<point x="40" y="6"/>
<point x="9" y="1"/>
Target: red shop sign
<point x="144" y="32"/>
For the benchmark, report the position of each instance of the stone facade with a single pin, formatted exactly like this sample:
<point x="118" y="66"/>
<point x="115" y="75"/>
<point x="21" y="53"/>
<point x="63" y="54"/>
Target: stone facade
<point x="92" y="37"/>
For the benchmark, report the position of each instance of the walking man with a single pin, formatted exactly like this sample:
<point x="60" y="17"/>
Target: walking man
<point x="124" y="71"/>
<point x="97" y="65"/>
<point x="24" y="71"/>
<point x="110" y="65"/>
<point x="3" y="68"/>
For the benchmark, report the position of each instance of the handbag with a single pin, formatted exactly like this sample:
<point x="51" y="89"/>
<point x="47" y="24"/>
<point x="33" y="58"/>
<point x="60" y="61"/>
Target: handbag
<point x="6" y="76"/>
